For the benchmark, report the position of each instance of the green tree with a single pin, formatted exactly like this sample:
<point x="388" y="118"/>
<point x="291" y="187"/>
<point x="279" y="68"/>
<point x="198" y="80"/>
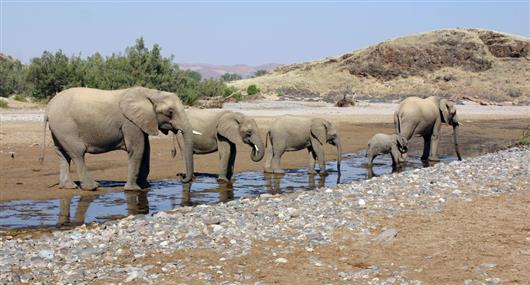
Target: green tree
<point x="50" y="74"/>
<point x="12" y="77"/>
<point x="260" y="72"/>
<point x="227" y="77"/>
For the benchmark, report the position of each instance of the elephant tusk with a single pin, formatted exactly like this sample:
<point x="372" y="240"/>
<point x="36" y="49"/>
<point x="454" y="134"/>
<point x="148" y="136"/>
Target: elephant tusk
<point x="257" y="148"/>
<point x="197" y="133"/>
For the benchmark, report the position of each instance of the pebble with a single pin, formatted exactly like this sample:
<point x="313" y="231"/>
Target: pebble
<point x="85" y="255"/>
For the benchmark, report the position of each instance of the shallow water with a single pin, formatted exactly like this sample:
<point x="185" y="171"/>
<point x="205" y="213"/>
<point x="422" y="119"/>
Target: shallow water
<point x="170" y="193"/>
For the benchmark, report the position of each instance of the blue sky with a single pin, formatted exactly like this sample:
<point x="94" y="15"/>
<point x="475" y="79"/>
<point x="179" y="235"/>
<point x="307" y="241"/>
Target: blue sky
<point x="239" y="32"/>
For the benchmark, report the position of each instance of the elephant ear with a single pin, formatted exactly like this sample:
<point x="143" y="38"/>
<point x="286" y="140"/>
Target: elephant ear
<point x="136" y="106"/>
<point x="444" y="111"/>
<point x="228" y="127"/>
<point x="319" y="130"/>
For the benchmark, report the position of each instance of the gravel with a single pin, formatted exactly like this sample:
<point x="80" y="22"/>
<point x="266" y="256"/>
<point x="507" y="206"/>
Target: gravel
<point x="107" y="252"/>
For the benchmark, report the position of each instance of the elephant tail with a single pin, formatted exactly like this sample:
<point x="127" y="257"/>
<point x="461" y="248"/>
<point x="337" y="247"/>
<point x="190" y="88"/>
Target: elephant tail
<point x="43" y="147"/>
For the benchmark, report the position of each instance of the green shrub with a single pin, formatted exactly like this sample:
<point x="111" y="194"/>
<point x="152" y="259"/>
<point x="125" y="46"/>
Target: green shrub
<point x="233" y="92"/>
<point x="20" y="98"/>
<point x="3" y="103"/>
<point x="227" y="77"/>
<point x="53" y="72"/>
<point x="252" y="89"/>
<point x="525" y="138"/>
<point x="12" y="77"/>
<point x="260" y="72"/>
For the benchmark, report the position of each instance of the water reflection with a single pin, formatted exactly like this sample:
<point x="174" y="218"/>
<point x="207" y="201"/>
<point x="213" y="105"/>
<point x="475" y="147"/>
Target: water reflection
<point x="80" y="212"/>
<point x="170" y="193"/>
<point x="225" y="191"/>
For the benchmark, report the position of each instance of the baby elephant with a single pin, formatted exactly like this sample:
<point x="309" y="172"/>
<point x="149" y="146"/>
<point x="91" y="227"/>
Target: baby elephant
<point x="382" y="144"/>
<point x="291" y="133"/>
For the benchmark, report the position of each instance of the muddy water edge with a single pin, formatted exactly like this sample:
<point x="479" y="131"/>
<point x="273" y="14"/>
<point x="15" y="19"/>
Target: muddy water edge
<point x="35" y="215"/>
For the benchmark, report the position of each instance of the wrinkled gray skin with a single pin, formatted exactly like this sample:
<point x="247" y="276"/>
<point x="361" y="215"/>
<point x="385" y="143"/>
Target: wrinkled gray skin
<point x="424" y="117"/>
<point x="86" y="120"/>
<point x="222" y="131"/>
<point x="292" y="133"/>
<point x="383" y="144"/>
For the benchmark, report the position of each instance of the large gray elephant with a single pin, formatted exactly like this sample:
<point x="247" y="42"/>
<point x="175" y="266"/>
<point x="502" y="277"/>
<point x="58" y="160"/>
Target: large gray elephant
<point x="86" y="120"/>
<point x="424" y="117"/>
<point x="292" y="133"/>
<point x="222" y="131"/>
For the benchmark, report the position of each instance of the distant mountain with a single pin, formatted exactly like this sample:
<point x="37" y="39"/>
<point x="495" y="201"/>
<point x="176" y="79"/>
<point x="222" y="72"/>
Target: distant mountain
<point x="215" y="71"/>
<point x="451" y="63"/>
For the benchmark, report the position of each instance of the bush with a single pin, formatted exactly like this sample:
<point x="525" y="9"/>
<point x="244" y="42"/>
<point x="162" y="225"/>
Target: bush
<point x="260" y="72"/>
<point x="252" y="89"/>
<point x="227" y="77"/>
<point x="53" y="72"/>
<point x="3" y="103"/>
<point x="12" y="77"/>
<point x="232" y="92"/>
<point x="20" y="98"/>
<point x="525" y="138"/>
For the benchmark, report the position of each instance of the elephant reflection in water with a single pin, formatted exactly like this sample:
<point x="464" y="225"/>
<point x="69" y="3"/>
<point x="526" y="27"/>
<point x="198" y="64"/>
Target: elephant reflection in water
<point x="273" y="182"/>
<point x="137" y="203"/>
<point x="225" y="190"/>
<point x="80" y="213"/>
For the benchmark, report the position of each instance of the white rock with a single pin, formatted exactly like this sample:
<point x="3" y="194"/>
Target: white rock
<point x="361" y="202"/>
<point x="280" y="260"/>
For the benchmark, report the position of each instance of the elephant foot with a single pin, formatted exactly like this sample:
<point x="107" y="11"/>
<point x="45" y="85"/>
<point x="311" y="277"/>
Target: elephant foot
<point x="68" y="185"/>
<point x="268" y="170"/>
<point x="131" y="187"/>
<point x="434" y="159"/>
<point x="223" y="179"/>
<point x="89" y="186"/>
<point x="278" y="171"/>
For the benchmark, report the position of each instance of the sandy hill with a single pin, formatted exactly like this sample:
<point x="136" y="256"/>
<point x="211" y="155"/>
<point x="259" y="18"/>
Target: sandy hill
<point x="451" y="63"/>
<point x="215" y="71"/>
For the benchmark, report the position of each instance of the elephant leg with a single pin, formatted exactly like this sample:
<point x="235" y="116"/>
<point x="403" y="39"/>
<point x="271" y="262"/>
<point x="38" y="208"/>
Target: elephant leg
<point x="64" y="169"/>
<point x="435" y="138"/>
<point x="370" y="158"/>
<point x="135" y="145"/>
<point x="227" y="155"/>
<point x="395" y="156"/>
<point x="318" y="149"/>
<point x="268" y="155"/>
<point x="277" y="152"/>
<point x="145" y="164"/>
<point x="76" y="150"/>
<point x="87" y="183"/>
<point x="312" y="160"/>
<point x="426" y="147"/>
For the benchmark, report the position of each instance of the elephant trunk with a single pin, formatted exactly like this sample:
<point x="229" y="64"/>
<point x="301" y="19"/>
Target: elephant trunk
<point x="258" y="150"/>
<point x="339" y="153"/>
<point x="455" y="140"/>
<point x="187" y="134"/>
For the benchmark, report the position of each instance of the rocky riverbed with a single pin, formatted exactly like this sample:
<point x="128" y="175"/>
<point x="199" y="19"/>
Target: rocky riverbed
<point x="199" y="245"/>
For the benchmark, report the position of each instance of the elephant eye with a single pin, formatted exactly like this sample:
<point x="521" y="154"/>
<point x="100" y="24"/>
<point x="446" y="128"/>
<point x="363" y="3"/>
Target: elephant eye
<point x="169" y="113"/>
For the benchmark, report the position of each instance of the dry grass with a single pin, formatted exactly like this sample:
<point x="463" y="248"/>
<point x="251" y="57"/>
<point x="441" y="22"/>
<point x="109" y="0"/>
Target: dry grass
<point x="454" y="63"/>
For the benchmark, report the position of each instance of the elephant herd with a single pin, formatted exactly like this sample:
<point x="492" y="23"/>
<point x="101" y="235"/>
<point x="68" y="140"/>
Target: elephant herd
<point x="85" y="120"/>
